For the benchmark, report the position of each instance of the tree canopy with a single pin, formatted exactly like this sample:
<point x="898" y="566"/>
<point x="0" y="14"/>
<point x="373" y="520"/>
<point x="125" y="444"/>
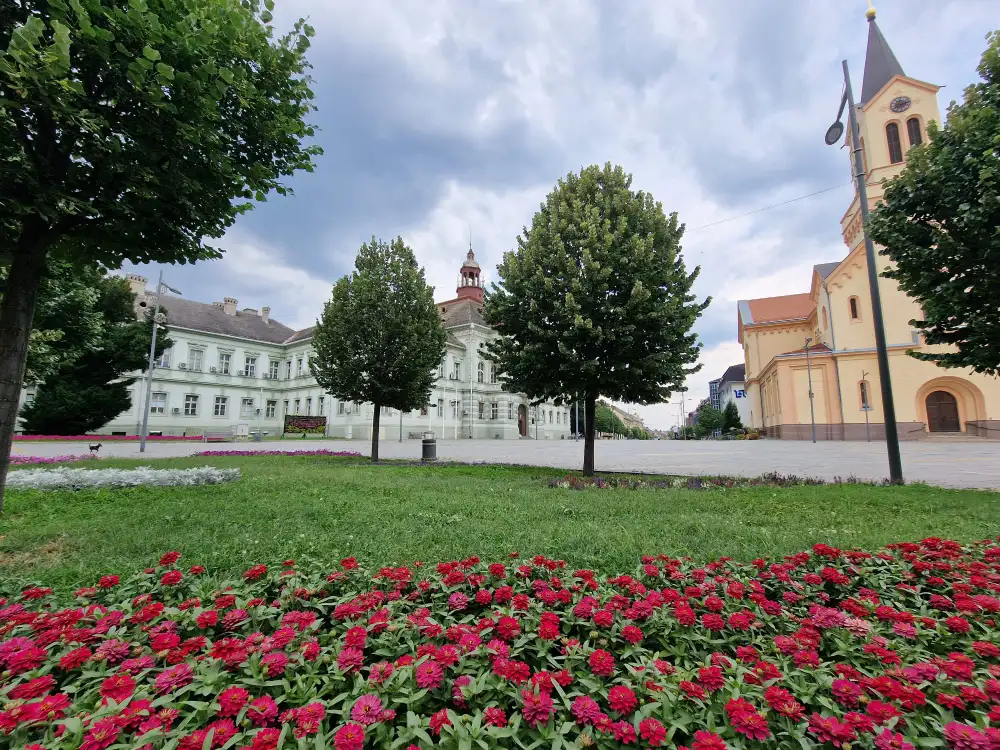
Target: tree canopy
<point x="939" y="225"/>
<point x="90" y="387"/>
<point x="133" y="131"/>
<point x="380" y="339"/>
<point x="731" y="417"/>
<point x="595" y="301"/>
<point x="710" y="419"/>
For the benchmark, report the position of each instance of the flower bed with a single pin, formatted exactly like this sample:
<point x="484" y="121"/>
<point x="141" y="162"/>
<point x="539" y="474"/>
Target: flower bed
<point x="894" y="649"/>
<point x="78" y="479"/>
<point x="320" y="452"/>
<point x="102" y="438"/>
<point x="698" y="483"/>
<point x="17" y="460"/>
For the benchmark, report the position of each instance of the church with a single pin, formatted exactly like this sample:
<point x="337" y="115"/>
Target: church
<point x="822" y="340"/>
<point x="240" y="371"/>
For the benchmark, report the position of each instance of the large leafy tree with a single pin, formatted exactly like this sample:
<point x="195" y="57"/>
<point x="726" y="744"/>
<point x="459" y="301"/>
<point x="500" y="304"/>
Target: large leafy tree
<point x="710" y="419"/>
<point x="939" y="225"/>
<point x="380" y="338"/>
<point x="86" y="391"/>
<point x="596" y="300"/>
<point x="132" y="131"/>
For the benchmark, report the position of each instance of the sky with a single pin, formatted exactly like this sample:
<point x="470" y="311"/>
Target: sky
<point x="445" y="118"/>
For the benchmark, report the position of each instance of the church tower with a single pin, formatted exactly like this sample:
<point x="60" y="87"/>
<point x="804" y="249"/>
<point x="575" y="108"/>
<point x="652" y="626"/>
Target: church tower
<point x="470" y="279"/>
<point x="893" y="114"/>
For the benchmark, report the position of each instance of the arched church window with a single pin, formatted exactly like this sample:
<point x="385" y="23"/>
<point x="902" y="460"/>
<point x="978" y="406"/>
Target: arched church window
<point x="913" y="131"/>
<point x="895" y="147"/>
<point x="481" y="372"/>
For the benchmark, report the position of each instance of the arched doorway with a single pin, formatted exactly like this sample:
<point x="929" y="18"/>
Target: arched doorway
<point x="942" y="412"/>
<point x="522" y="420"/>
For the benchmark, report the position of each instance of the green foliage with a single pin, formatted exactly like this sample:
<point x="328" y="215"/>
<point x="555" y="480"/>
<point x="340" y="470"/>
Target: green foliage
<point x="939" y="223"/>
<point x="133" y="131"/>
<point x="380" y="339"/>
<point x="86" y="391"/>
<point x="596" y="300"/>
<point x="731" y="417"/>
<point x="710" y="419"/>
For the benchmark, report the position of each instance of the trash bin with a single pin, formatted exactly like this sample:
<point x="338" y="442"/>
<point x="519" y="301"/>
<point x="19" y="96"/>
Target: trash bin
<point x="257" y="436"/>
<point x="429" y="447"/>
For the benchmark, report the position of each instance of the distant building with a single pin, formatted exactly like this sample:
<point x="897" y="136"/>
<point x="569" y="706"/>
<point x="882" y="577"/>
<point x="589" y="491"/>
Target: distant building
<point x="733" y="388"/>
<point x="835" y="315"/>
<point x="713" y="393"/>
<point x="242" y="370"/>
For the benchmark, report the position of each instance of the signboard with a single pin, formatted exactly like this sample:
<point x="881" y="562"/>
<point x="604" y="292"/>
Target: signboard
<point x="309" y="425"/>
<point x="739" y="394"/>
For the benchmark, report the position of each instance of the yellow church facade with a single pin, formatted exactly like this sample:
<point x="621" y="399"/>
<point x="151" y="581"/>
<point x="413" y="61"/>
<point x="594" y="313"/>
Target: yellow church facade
<point x="833" y="319"/>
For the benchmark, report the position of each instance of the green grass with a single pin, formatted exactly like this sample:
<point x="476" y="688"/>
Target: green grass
<point x="329" y="508"/>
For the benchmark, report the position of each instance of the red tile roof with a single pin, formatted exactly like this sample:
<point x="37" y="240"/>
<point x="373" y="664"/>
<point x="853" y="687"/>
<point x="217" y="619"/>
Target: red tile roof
<point x="787" y="307"/>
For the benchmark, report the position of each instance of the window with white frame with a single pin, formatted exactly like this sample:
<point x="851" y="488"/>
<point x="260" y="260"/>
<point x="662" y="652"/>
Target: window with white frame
<point x="482" y="410"/>
<point x="440" y="407"/>
<point x="357" y="408"/>
<point x="425" y="410"/>
<point x="157" y="402"/>
<point x="454" y="409"/>
<point x="298" y="403"/>
<point x="250" y="366"/>
<point x="510" y="410"/>
<point x="494" y="410"/>
<point x="340" y="407"/>
<point x="387" y="411"/>
<point x="309" y="406"/>
<point x="272" y="367"/>
<point x="164" y="359"/>
<point x="558" y="417"/>
<point x="270" y="409"/>
<point x="298" y="367"/>
<point x="288" y="370"/>
<point x="221" y="402"/>
<point x="225" y="362"/>
<point x="246" y="407"/>
<point x="286" y="406"/>
<point x="550" y="416"/>
<point x="481" y="372"/>
<point x="458" y="369"/>
<point x="493" y="373"/>
<point x="441" y="369"/>
<point x="29" y="397"/>
<point x="196" y="358"/>
<point x="191" y="405"/>
<point x="319" y="405"/>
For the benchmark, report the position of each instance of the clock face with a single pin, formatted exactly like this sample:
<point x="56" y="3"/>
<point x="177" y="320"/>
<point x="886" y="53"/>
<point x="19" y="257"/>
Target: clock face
<point x="900" y="104"/>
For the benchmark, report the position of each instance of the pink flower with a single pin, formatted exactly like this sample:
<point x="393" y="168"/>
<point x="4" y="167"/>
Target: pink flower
<point x="349" y="737"/>
<point x="262" y="711"/>
<point x="350" y="659"/>
<point x="537" y="707"/>
<point x="429" y="675"/>
<point x="367" y="709"/>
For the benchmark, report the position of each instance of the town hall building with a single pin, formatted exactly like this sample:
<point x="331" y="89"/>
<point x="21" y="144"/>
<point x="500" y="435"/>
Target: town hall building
<point x="825" y="337"/>
<point x="242" y="371"/>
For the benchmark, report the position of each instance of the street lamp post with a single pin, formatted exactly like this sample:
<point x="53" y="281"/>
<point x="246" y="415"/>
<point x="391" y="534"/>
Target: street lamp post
<point x="812" y="410"/>
<point x="833" y="135"/>
<point x="157" y="319"/>
<point x="866" y="407"/>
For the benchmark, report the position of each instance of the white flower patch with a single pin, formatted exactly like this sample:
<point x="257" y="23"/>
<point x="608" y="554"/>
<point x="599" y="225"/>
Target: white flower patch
<point x="65" y="478"/>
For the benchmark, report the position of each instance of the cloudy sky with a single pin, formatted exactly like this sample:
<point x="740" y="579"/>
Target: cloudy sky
<point x="443" y="116"/>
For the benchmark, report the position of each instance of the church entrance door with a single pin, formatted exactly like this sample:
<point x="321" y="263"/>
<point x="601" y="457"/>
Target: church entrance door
<point x="522" y="420"/>
<point x="942" y="412"/>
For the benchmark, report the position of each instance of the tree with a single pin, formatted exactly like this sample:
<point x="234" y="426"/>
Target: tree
<point x="88" y="390"/>
<point x="380" y="339"/>
<point x="938" y="224"/>
<point x="132" y="131"/>
<point x="604" y="419"/>
<point x="595" y="300"/>
<point x="731" y="417"/>
<point x="710" y="419"/>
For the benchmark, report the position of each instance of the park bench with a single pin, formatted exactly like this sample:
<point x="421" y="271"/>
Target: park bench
<point x="217" y="437"/>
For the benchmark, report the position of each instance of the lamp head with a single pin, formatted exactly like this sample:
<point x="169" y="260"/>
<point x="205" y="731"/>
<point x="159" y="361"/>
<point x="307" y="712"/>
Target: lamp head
<point x="834" y="133"/>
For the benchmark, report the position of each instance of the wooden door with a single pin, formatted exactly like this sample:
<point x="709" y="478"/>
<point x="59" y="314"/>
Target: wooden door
<point x="942" y="412"/>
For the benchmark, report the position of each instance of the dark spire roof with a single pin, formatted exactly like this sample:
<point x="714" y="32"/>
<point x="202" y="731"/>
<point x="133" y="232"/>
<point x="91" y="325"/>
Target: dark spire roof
<point x="880" y="64"/>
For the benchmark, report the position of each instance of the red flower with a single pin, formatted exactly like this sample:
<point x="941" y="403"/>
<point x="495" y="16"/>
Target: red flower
<point x="232" y="700"/>
<point x="439" y="721"/>
<point x="171" y="578"/>
<point x="356" y="637"/>
<point x="622" y="700"/>
<point x="429" y="675"/>
<point x="495" y="717"/>
<point x="957" y="624"/>
<point x="623" y="732"/>
<point x="118" y="687"/>
<point x="207" y="618"/>
<point x="262" y="711"/>
<point x="350" y="659"/>
<point x="711" y="678"/>
<point x="632" y="634"/>
<point x="101" y="734"/>
<point x="169" y="558"/>
<point x="586" y="710"/>
<point x="888" y="740"/>
<point x="964" y="737"/>
<point x="255" y="572"/>
<point x="705" y="740"/>
<point x="537" y="707"/>
<point x="653" y="732"/>
<point x="173" y="678"/>
<point x="349" y="737"/>
<point x="602" y="663"/>
<point x="108" y="582"/>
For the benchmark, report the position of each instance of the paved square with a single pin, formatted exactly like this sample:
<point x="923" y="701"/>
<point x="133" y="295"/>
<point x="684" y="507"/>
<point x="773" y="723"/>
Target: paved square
<point x="951" y="463"/>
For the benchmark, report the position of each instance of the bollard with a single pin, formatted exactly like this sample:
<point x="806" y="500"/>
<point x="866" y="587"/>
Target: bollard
<point x="428" y="448"/>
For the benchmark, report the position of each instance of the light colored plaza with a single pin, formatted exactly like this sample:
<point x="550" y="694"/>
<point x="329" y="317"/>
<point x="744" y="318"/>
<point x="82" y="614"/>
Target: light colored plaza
<point x="973" y="463"/>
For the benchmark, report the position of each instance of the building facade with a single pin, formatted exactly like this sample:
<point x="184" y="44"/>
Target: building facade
<point x="241" y="371"/>
<point x="822" y="342"/>
<point x="733" y="388"/>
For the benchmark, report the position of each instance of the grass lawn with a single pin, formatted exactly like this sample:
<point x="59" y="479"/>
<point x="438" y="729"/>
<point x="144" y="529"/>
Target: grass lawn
<point x="330" y="508"/>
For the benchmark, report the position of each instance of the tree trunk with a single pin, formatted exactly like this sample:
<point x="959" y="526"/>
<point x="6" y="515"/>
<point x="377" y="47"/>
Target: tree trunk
<point x="375" y="434"/>
<point x="16" y="314"/>
<point x="590" y="406"/>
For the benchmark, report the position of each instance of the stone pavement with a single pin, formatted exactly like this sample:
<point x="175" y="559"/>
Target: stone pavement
<point x="958" y="463"/>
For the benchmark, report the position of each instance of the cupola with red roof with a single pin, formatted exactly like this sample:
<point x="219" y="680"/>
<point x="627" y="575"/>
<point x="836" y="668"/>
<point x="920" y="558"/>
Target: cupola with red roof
<point x="469" y="279"/>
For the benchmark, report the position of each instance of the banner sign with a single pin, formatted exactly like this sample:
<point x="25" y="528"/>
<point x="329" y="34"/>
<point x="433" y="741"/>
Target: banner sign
<point x="309" y="425"/>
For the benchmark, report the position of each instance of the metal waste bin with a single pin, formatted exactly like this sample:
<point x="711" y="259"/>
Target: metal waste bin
<point x="429" y="448"/>
<point x="257" y="436"/>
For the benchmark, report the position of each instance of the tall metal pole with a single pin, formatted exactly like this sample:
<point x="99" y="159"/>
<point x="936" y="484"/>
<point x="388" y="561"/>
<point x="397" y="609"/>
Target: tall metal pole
<point x="885" y="380"/>
<point x="866" y="407"/>
<point x="149" y="368"/>
<point x="812" y="410"/>
<point x="683" y="417"/>
<point x="401" y="425"/>
<point x="576" y="431"/>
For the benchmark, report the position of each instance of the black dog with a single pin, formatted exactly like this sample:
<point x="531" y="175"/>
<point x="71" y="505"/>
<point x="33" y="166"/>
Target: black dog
<point x="95" y="448"/>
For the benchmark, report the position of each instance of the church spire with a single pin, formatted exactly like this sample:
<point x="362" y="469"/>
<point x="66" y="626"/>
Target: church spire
<point x="880" y="63"/>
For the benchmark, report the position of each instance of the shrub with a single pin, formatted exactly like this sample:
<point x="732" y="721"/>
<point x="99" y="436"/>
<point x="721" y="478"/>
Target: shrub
<point x="102" y="438"/>
<point x="320" y="452"/>
<point x="17" y="460"/>
<point x="76" y="479"/>
<point x="827" y="648"/>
